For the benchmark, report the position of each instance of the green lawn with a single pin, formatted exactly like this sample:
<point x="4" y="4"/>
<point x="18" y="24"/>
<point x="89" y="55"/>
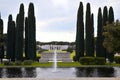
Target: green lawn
<point x="60" y="64"/>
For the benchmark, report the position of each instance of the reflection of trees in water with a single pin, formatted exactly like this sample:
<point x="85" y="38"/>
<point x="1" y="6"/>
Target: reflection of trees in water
<point x="17" y="72"/>
<point x="105" y="71"/>
<point x="95" y="72"/>
<point x="85" y="72"/>
<point x="13" y="72"/>
<point x="0" y="72"/>
<point x="29" y="72"/>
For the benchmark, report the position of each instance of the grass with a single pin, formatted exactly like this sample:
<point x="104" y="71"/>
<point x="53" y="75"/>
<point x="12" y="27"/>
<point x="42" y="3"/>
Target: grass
<point x="60" y="64"/>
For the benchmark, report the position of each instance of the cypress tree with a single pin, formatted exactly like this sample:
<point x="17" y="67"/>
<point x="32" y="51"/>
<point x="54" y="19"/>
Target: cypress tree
<point x="11" y="39"/>
<point x="111" y="15"/>
<point x="26" y="38"/>
<point x="89" y="32"/>
<point x="92" y="35"/>
<point x="111" y="20"/>
<point x="80" y="33"/>
<point x="31" y="33"/>
<point x="19" y="33"/>
<point x="105" y="20"/>
<point x="1" y="39"/>
<point x="99" y="35"/>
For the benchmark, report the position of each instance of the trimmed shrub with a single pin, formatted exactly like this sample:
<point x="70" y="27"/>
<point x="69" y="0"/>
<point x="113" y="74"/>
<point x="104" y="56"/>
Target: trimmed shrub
<point x="87" y="60"/>
<point x="28" y="62"/>
<point x="117" y="59"/>
<point x="18" y="62"/>
<point x="100" y="60"/>
<point x="74" y="58"/>
<point x="7" y="63"/>
<point x="37" y="58"/>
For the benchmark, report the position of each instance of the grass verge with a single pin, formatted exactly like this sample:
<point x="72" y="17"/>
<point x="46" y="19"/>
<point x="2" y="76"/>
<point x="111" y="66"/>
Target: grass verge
<point x="60" y="64"/>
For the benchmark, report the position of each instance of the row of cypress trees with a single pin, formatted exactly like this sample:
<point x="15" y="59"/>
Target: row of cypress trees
<point x="88" y="43"/>
<point x="108" y="17"/>
<point x="86" y="47"/>
<point x="15" y="35"/>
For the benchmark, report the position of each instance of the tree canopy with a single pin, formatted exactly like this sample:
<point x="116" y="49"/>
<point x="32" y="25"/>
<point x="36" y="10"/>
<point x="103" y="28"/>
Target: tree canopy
<point x="112" y="37"/>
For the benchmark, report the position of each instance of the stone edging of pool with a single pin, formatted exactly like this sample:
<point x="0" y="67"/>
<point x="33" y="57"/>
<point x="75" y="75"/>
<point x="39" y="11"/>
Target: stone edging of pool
<point x="60" y="78"/>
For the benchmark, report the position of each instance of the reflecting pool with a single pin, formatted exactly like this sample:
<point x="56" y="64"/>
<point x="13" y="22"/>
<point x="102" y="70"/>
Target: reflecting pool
<point x="61" y="72"/>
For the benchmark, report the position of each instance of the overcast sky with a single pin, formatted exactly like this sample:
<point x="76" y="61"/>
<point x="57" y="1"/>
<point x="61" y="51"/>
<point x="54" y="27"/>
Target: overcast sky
<point x="55" y="19"/>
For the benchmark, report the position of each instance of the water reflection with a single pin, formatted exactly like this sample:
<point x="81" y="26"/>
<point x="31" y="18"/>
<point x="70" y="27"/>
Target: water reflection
<point x="63" y="72"/>
<point x="106" y="72"/>
<point x="29" y="72"/>
<point x="95" y="72"/>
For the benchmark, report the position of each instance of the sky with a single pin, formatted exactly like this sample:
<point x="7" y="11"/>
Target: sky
<point x="56" y="19"/>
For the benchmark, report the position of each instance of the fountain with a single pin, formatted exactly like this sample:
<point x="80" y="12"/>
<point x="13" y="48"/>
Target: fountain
<point x="55" y="61"/>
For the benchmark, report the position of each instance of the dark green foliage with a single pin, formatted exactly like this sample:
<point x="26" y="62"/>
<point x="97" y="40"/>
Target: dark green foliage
<point x="105" y="16"/>
<point x="117" y="59"/>
<point x="69" y="49"/>
<point x="74" y="58"/>
<point x="11" y="39"/>
<point x="87" y="60"/>
<point x="18" y="62"/>
<point x="100" y="60"/>
<point x="92" y="60"/>
<point x="31" y="33"/>
<point x="99" y="42"/>
<point x="1" y="39"/>
<point x="92" y="35"/>
<point x="111" y="15"/>
<point x="80" y="33"/>
<point x="26" y="38"/>
<point x="19" y="33"/>
<point x="28" y="62"/>
<point x="89" y="32"/>
<point x="7" y="63"/>
<point x="111" y="20"/>
<point x="105" y="20"/>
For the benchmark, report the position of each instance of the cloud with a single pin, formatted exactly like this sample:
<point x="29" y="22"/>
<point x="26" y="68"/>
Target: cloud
<point x="53" y="23"/>
<point x="55" y="36"/>
<point x="61" y="3"/>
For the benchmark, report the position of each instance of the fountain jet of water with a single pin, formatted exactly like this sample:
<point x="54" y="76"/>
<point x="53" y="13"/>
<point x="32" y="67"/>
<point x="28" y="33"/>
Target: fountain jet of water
<point x="55" y="61"/>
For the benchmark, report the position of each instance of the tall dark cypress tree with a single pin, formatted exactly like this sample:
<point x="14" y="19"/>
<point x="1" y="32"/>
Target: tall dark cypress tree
<point x="99" y="42"/>
<point x="19" y="33"/>
<point x="31" y="33"/>
<point x="111" y="20"/>
<point x="105" y="20"/>
<point x="80" y="33"/>
<point x="111" y="15"/>
<point x="1" y="39"/>
<point x="26" y="38"/>
<point x="89" y="32"/>
<point x="92" y="35"/>
<point x="11" y="39"/>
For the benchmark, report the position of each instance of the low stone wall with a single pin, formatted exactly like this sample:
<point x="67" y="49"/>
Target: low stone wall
<point x="59" y="78"/>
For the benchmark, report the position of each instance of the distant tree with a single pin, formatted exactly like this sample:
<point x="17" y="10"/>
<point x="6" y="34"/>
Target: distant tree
<point x="11" y="39"/>
<point x="1" y="39"/>
<point x="80" y="33"/>
<point x="99" y="43"/>
<point x="19" y="33"/>
<point x="89" y="32"/>
<point x="31" y="33"/>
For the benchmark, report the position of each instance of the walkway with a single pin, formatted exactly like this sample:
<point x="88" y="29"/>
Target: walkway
<point x="60" y="79"/>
